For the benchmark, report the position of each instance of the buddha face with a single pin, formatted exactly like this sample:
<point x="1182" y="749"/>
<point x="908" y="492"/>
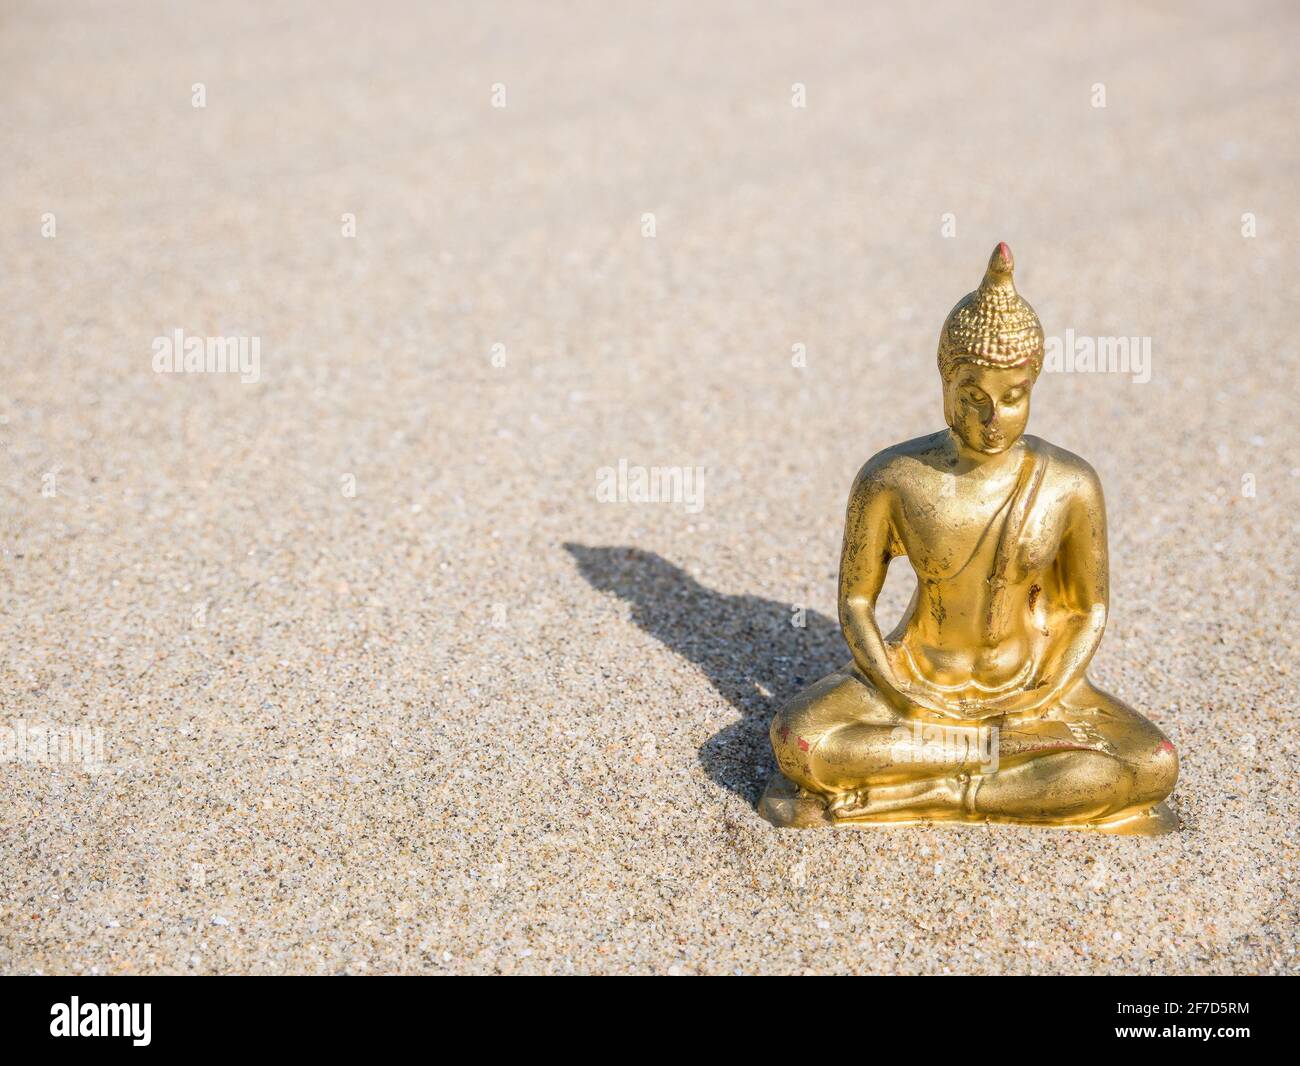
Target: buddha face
<point x="987" y="407"/>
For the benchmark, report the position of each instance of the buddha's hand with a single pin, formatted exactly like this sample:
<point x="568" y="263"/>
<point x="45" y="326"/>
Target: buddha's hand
<point x="1018" y="702"/>
<point x="912" y="697"/>
<point x="901" y="688"/>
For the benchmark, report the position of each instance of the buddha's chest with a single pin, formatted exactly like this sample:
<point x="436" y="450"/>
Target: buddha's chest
<point x="951" y="529"/>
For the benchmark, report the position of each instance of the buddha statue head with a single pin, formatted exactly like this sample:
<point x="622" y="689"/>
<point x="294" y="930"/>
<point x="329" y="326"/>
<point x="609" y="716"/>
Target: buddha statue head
<point x="990" y="353"/>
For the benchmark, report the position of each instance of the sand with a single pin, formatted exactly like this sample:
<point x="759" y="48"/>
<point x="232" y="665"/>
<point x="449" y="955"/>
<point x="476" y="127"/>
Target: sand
<point x="370" y="679"/>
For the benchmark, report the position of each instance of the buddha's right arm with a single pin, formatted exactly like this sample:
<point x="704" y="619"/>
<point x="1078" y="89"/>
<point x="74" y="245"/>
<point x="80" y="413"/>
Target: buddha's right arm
<point x="868" y="541"/>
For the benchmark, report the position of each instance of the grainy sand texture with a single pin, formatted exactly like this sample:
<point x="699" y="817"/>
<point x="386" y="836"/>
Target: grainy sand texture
<point x="351" y="669"/>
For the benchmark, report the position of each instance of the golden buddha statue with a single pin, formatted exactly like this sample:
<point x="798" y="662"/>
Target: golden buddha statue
<point x="977" y="707"/>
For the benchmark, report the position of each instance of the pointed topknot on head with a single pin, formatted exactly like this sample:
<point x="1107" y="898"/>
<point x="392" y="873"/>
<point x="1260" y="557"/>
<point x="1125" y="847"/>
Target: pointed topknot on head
<point x="1001" y="271"/>
<point x="994" y="325"/>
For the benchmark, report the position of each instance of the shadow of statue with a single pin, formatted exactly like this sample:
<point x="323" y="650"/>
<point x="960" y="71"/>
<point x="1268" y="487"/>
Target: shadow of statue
<point x="749" y="648"/>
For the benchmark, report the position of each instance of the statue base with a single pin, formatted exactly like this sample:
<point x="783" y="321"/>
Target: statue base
<point x="787" y="806"/>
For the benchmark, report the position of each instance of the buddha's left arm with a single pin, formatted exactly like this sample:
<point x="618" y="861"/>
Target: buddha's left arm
<point x="1083" y="573"/>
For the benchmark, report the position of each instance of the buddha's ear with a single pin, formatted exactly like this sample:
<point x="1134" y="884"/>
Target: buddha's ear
<point x="946" y="379"/>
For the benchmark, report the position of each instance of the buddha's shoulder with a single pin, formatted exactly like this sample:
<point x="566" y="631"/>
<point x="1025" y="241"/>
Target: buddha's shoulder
<point x="900" y="463"/>
<point x="1063" y="468"/>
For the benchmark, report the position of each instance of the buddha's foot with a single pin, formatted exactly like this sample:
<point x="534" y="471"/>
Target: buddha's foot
<point x="941" y="798"/>
<point x="848" y="804"/>
<point x="787" y="805"/>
